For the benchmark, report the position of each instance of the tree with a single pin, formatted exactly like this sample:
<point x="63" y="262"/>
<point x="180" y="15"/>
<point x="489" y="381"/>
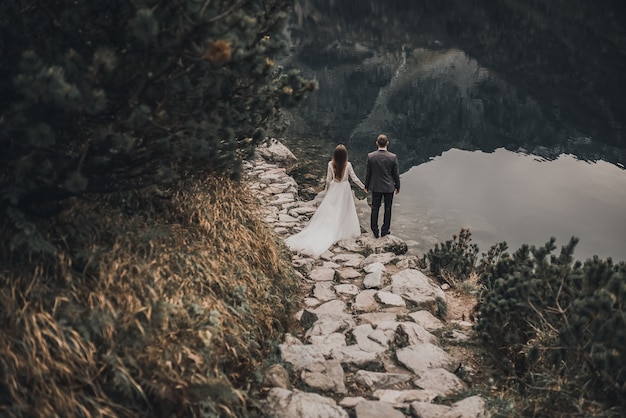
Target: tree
<point x="98" y="97"/>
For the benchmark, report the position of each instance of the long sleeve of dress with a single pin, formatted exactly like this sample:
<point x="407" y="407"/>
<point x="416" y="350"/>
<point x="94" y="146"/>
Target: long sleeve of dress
<point x="354" y="177"/>
<point x="330" y="174"/>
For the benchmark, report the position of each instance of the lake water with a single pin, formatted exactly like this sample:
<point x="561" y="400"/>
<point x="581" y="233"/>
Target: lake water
<point x="517" y="198"/>
<point x="505" y="120"/>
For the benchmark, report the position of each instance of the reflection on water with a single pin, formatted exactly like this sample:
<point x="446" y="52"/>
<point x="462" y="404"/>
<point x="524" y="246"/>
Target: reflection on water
<point x="517" y="198"/>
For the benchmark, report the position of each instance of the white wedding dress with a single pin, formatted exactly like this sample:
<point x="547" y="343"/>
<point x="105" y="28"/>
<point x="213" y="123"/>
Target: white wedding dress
<point x="335" y="219"/>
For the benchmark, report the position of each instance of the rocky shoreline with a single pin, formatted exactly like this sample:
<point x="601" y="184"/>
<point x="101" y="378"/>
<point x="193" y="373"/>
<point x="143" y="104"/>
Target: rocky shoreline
<point x="366" y="346"/>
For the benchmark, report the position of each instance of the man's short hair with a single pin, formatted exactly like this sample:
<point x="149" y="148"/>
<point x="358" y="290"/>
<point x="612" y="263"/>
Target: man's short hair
<point x="382" y="140"/>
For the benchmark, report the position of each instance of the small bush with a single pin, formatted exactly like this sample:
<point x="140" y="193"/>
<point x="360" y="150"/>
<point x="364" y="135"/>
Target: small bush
<point x="454" y="260"/>
<point x="557" y="328"/>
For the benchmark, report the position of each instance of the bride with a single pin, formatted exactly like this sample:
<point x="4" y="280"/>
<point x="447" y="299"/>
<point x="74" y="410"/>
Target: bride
<point x="336" y="218"/>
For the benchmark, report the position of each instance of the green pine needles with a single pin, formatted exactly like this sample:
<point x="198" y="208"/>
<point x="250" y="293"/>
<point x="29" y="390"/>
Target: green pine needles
<point x="100" y="97"/>
<point x="453" y="261"/>
<point x="555" y="328"/>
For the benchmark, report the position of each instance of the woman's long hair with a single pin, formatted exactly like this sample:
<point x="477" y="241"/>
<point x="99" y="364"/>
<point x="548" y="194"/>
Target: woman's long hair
<point x="340" y="159"/>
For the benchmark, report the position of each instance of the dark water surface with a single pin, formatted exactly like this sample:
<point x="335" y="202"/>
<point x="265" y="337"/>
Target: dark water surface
<point x="507" y="116"/>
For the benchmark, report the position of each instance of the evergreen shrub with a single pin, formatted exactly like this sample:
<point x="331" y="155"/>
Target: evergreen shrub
<point x="452" y="261"/>
<point x="557" y="328"/>
<point x="98" y="97"/>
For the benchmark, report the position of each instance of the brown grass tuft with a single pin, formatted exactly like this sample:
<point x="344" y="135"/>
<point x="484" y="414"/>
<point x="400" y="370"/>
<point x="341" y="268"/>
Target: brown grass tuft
<point x="154" y="306"/>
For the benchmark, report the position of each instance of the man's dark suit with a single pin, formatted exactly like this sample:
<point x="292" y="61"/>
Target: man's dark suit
<point x="382" y="179"/>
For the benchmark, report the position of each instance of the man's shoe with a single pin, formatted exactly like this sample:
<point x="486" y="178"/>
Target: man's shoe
<point x="375" y="234"/>
<point x="385" y="233"/>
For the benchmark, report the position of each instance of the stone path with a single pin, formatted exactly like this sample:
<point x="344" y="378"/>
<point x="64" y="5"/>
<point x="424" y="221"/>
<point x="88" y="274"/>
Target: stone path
<point x="366" y="347"/>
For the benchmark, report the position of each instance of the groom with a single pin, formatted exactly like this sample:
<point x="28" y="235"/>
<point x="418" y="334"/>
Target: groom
<point x="382" y="178"/>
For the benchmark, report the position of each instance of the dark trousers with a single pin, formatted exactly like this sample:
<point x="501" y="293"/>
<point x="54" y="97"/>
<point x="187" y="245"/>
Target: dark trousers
<point x="377" y="199"/>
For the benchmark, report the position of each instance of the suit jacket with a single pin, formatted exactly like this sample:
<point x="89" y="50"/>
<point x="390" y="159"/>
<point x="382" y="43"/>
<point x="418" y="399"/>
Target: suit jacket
<point x="382" y="174"/>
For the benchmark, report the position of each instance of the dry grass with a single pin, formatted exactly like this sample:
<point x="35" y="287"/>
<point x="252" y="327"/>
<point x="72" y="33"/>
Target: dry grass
<point x="154" y="306"/>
